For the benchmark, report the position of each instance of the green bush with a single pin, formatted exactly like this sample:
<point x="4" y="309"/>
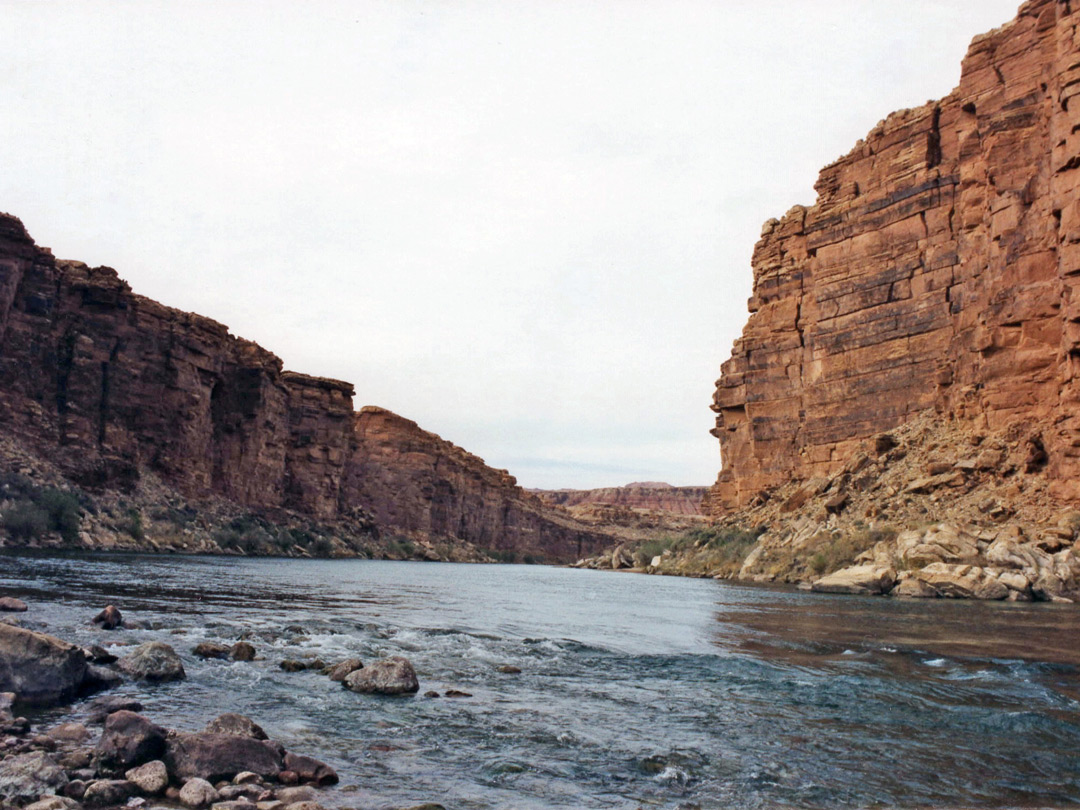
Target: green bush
<point x="26" y="521"/>
<point x="63" y="512"/>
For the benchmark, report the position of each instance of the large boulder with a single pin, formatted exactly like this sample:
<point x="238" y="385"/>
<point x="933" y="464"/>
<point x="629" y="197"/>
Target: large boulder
<point x="129" y="740"/>
<point x="858" y="579"/>
<point x="40" y="668"/>
<point x="220" y="756"/>
<point x="25" y="777"/>
<point x="153" y="661"/>
<point x="940" y="543"/>
<point x="963" y="581"/>
<point x="308" y="769"/>
<point x="390" y="676"/>
<point x="9" y="604"/>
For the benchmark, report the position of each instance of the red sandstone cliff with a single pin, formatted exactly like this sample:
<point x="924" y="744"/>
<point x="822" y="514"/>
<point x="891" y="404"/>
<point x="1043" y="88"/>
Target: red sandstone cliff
<point x="938" y="269"/>
<point x="108" y="385"/>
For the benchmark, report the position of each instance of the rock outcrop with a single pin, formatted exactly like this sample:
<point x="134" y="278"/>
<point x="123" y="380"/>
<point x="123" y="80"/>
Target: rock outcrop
<point x="647" y="496"/>
<point x="111" y="388"/>
<point x="938" y="270"/>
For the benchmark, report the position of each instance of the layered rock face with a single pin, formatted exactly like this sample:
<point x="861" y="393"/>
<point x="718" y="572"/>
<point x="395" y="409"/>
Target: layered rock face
<point x="425" y="486"/>
<point x="107" y="385"/>
<point x="939" y="269"/>
<point x="648" y="496"/>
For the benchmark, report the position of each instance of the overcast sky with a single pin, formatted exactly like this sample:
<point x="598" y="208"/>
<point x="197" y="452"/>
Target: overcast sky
<point x="525" y="225"/>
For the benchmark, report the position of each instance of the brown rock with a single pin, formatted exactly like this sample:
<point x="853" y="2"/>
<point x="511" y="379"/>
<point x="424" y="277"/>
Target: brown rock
<point x="236" y="724"/>
<point x="211" y="649"/>
<point x="934" y="273"/>
<point x="10" y="604"/>
<point x="220" y="756"/>
<point x="346" y="667"/>
<point x="390" y="676"/>
<point x="242" y="651"/>
<point x="858" y="579"/>
<point x="129" y="740"/>
<point x="151" y="778"/>
<point x="40" y="668"/>
<point x="109" y="618"/>
<point x="311" y="770"/>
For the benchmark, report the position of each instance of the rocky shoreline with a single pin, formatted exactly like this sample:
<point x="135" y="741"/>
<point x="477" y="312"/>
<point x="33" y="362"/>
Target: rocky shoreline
<point x="121" y="758"/>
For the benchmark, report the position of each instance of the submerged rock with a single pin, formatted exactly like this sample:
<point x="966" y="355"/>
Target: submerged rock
<point x="390" y="676"/>
<point x="211" y="649"/>
<point x="242" y="651"/>
<point x="153" y="661"/>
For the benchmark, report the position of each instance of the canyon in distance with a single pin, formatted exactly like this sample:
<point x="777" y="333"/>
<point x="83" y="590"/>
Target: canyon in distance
<point x="900" y="417"/>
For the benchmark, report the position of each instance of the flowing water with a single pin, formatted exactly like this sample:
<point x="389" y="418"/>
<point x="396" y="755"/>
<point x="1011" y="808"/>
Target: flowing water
<point x="635" y="691"/>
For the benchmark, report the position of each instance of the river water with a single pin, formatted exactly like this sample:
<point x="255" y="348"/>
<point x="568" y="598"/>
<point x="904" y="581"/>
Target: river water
<point x="635" y="691"/>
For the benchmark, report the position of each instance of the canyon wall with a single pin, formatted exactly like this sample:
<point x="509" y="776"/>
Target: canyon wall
<point x="108" y="385"/>
<point x="939" y="269"/>
<point x="647" y="496"/>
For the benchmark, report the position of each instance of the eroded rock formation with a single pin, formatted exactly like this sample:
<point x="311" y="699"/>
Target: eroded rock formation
<point x="108" y="385"/>
<point x="938" y="269"/>
<point x="648" y="496"/>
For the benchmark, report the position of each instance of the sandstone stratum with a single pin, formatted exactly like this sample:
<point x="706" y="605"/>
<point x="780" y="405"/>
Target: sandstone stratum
<point x="905" y="396"/>
<point x="127" y="424"/>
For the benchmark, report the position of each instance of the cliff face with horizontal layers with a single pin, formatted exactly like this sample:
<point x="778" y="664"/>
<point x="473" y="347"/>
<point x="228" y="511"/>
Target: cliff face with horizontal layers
<point x="108" y="385"/>
<point x="938" y="270"/>
<point x="648" y="496"/>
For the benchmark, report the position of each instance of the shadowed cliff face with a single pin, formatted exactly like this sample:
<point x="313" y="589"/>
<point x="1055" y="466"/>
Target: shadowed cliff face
<point x="107" y="385"/>
<point x="936" y="270"/>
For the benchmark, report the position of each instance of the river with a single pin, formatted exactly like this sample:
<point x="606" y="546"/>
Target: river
<point x="634" y="691"/>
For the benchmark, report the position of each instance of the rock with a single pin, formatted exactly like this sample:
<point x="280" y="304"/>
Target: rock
<point x="940" y="543"/>
<point x="293" y="795"/>
<point x="220" y="756"/>
<point x="10" y="604"/>
<point x="129" y="740"/>
<point x="291" y="665"/>
<point x="25" y="777"/>
<point x="310" y="770"/>
<point x="98" y="655"/>
<point x="234" y="792"/>
<point x="962" y="581"/>
<point x="153" y="661"/>
<point x="54" y="803"/>
<point x="346" y="667"/>
<point x="621" y="558"/>
<point x="913" y="588"/>
<point x="197" y="793"/>
<point x="236" y="724"/>
<point x="390" y="676"/>
<point x="858" y="579"/>
<point x="431" y="693"/>
<point x="246" y="778"/>
<point x="69" y="732"/>
<point x="211" y="649"/>
<point x="509" y="669"/>
<point x="74" y="789"/>
<point x="108" y="792"/>
<point x="304" y="806"/>
<point x="109" y="618"/>
<point x="242" y="651"/>
<point x="288" y="778"/>
<point x="457" y="693"/>
<point x="910" y="211"/>
<point x="151" y="778"/>
<point x="39" y="668"/>
<point x="102" y="707"/>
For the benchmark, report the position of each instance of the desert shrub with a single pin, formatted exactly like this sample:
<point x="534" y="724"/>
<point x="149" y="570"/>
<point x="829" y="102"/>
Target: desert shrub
<point x="833" y="551"/>
<point x="25" y="520"/>
<point x="63" y="510"/>
<point x="321" y="547"/>
<point x="132" y="524"/>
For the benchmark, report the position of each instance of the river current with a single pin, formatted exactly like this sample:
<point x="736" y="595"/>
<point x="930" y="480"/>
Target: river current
<point x="634" y="691"/>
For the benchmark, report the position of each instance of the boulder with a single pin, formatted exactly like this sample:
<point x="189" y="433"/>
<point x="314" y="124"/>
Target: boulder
<point x="197" y="792"/>
<point x="913" y="588"/>
<point x="9" y="604"/>
<point x="940" y="543"/>
<point x="151" y="778"/>
<point x="211" y="649"/>
<point x="109" y="619"/>
<point x="220" y="756"/>
<point x="153" y="661"/>
<point x="68" y="732"/>
<point x="962" y="581"/>
<point x="54" y="803"/>
<point x="236" y="724"/>
<point x="108" y="792"/>
<point x="308" y="769"/>
<point x="858" y="579"/>
<point x="102" y="707"/>
<point x="25" y="777"/>
<point x="129" y="740"/>
<point x="39" y="668"/>
<point x="98" y="655"/>
<point x="230" y="793"/>
<point x="339" y="671"/>
<point x="242" y="651"/>
<point x="390" y="676"/>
